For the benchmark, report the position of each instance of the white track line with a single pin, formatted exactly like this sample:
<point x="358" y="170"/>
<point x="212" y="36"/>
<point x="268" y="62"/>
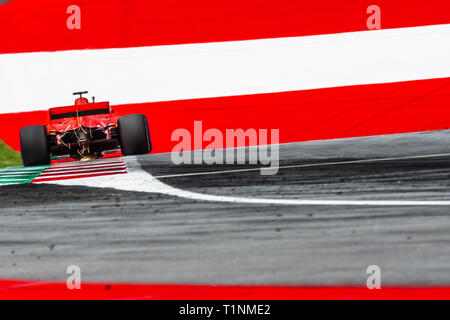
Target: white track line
<point x="303" y="165"/>
<point x="139" y="180"/>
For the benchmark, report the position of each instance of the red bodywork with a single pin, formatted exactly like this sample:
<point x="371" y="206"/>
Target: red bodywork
<point x="57" y="123"/>
<point x="83" y="130"/>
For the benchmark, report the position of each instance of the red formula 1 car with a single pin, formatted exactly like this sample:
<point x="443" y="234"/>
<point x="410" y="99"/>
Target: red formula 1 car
<point x="84" y="131"/>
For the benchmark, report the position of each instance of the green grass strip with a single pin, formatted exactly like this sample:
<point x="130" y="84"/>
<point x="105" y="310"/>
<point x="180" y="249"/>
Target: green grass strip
<point x="8" y="157"/>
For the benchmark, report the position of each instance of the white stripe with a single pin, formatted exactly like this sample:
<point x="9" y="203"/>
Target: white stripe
<point x="77" y="169"/>
<point x="43" y="176"/>
<point x="6" y="175"/>
<point x="77" y="164"/>
<point x="121" y="163"/>
<point x="141" y="181"/>
<point x="85" y="171"/>
<point x="159" y="73"/>
<point x="304" y="165"/>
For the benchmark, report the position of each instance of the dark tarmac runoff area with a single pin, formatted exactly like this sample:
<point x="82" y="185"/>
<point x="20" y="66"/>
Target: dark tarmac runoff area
<point x="137" y="237"/>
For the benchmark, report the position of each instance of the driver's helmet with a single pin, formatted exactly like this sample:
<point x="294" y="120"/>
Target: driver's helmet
<point x="80" y="101"/>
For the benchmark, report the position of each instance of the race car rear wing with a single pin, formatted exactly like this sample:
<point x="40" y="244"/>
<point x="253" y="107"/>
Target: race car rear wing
<point x="83" y="110"/>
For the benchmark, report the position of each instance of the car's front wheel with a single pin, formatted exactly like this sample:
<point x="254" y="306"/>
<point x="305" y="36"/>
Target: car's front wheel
<point x="134" y="134"/>
<point x="34" y="146"/>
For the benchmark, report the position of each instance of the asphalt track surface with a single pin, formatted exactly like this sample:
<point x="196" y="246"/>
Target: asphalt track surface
<point x="120" y="236"/>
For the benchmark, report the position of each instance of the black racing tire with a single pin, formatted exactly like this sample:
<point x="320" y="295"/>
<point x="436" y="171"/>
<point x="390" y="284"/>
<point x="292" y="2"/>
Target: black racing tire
<point x="34" y="146"/>
<point x="134" y="135"/>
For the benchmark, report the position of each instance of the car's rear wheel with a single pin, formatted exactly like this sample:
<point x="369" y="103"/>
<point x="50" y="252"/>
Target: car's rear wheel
<point x="134" y="134"/>
<point x="34" y="146"/>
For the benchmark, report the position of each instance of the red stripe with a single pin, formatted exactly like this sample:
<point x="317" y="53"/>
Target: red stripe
<point x="300" y="115"/>
<point x="72" y="172"/>
<point x="39" y="290"/>
<point x="85" y="165"/>
<point x="76" y="177"/>
<point x="82" y="170"/>
<point x="29" y="25"/>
